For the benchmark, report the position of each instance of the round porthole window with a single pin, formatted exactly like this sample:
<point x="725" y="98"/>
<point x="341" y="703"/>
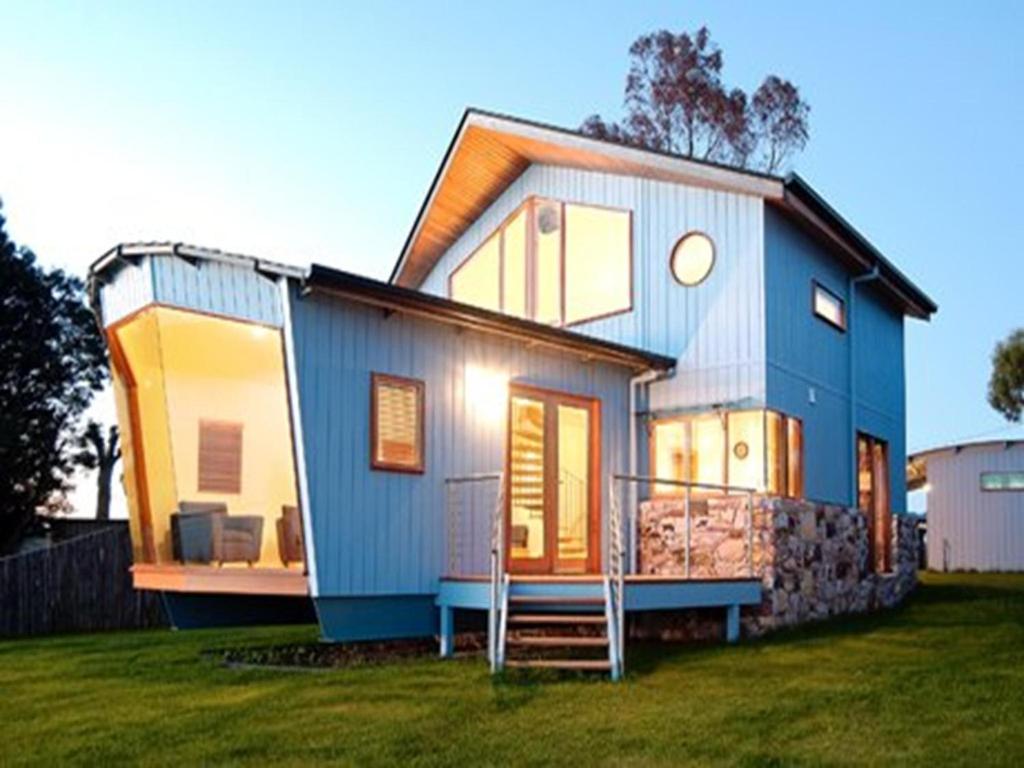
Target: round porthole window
<point x="741" y="450"/>
<point x="692" y="258"/>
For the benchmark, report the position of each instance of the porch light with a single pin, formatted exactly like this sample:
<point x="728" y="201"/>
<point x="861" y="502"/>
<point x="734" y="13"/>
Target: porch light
<point x="487" y="392"/>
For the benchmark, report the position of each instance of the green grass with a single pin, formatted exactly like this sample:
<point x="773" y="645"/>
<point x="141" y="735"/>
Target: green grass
<point x="940" y="681"/>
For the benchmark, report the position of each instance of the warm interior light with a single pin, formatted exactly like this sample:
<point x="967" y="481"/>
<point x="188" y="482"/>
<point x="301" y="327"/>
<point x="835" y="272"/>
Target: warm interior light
<point x="486" y="392"/>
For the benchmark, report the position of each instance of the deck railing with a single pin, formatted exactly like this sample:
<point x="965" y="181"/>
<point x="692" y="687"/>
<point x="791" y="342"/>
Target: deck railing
<point x="475" y="515"/>
<point x="471" y="510"/>
<point x="688" y="489"/>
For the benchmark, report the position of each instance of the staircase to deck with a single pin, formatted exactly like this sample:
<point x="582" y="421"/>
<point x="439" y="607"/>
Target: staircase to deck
<point x="556" y="623"/>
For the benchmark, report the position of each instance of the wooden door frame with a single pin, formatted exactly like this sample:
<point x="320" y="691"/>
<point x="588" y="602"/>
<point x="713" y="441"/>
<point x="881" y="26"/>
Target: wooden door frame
<point x="552" y="397"/>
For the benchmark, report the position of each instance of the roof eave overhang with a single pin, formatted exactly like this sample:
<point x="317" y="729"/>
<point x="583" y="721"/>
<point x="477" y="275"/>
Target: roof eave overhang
<point x="633" y="161"/>
<point x="804" y="203"/>
<point x="412" y="302"/>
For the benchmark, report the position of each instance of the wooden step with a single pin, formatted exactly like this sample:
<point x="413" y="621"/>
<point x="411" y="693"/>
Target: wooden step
<point x="556" y="618"/>
<point x="566" y="641"/>
<point x="596" y="665"/>
<point x="556" y="599"/>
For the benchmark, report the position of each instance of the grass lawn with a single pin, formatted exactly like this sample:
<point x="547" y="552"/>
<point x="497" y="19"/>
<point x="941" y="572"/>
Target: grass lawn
<point x="940" y="682"/>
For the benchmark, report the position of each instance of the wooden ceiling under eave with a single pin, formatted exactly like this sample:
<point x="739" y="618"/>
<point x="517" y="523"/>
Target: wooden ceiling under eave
<point x="491" y="153"/>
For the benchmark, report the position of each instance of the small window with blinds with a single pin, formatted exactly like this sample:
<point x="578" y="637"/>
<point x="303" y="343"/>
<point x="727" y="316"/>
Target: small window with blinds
<point x="396" y="423"/>
<point x="220" y="456"/>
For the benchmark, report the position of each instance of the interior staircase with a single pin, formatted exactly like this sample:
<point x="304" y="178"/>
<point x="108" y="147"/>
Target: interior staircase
<point x="556" y="623"/>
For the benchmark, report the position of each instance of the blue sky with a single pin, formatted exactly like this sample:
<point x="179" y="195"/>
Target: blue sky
<point x="310" y="132"/>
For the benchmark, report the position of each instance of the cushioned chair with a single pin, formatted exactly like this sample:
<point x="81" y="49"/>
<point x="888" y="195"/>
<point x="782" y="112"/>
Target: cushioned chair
<point x="289" y="536"/>
<point x="204" y="532"/>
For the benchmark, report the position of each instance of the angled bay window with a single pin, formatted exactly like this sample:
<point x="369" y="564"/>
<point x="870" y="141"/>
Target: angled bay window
<point x="756" y="449"/>
<point x="208" y="454"/>
<point x="552" y="262"/>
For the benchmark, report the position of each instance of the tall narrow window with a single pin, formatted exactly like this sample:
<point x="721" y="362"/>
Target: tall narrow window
<point x="477" y="279"/>
<point x="396" y="423"/>
<point x="829" y="307"/>
<point x="220" y="456"/>
<point x="794" y="458"/>
<point x="513" y="281"/>
<point x="597" y="262"/>
<point x="547" y="223"/>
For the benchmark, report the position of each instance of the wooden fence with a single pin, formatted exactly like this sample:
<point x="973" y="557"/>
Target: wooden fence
<point x="82" y="584"/>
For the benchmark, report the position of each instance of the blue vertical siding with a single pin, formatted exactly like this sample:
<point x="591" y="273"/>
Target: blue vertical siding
<point x="804" y="353"/>
<point x="127" y="288"/>
<point x="383" y="533"/>
<point x="221" y="288"/>
<point x="233" y="290"/>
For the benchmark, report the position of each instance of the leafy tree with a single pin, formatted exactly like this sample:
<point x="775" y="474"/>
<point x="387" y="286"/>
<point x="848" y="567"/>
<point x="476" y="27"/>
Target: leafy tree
<point x="52" y="363"/>
<point x="676" y="101"/>
<point x="1006" y="386"/>
<point x="101" y="453"/>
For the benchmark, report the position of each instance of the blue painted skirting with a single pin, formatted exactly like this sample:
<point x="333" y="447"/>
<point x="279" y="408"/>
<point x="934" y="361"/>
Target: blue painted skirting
<point x="641" y="595"/>
<point x="197" y="610"/>
<point x="345" y="619"/>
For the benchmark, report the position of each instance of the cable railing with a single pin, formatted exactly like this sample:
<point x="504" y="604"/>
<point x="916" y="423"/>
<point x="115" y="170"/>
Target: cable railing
<point x="471" y="502"/>
<point x="615" y="586"/>
<point x="688" y="489"/>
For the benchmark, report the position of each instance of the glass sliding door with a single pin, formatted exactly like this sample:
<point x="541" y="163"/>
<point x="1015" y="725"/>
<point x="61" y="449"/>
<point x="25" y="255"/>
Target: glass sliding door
<point x="553" y="506"/>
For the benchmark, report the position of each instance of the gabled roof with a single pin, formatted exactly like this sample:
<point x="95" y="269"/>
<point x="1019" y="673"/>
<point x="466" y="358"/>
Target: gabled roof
<point x="489" y="151"/>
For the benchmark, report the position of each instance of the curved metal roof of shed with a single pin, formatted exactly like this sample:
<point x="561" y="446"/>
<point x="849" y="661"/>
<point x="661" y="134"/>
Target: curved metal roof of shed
<point x="1005" y="443"/>
<point x="490" y="150"/>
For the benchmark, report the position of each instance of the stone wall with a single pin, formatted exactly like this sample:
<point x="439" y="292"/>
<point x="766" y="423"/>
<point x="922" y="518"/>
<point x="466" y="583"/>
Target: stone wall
<point x="812" y="560"/>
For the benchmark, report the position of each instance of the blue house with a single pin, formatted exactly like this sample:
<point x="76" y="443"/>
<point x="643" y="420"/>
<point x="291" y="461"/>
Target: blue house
<point x="577" y="338"/>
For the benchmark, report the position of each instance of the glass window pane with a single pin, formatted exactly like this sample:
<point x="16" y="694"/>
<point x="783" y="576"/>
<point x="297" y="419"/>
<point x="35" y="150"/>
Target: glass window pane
<point x="548" y="290"/>
<point x="777" y="456"/>
<point x="514" y="278"/>
<point x="597" y="262"/>
<point x="829" y="307"/>
<point x="573" y="482"/>
<point x="795" y="461"/>
<point x="1002" y="481"/>
<point x="476" y="280"/>
<point x="399" y="423"/>
<point x="212" y="498"/>
<point x="526" y="479"/>
<point x="746" y="449"/>
<point x="707" y="450"/>
<point x="670" y="455"/>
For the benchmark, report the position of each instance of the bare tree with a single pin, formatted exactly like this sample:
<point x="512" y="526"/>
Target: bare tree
<point x="676" y="101"/>
<point x="101" y="453"/>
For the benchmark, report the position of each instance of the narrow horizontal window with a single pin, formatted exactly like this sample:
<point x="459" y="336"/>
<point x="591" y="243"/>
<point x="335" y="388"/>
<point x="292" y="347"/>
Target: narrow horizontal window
<point x="220" y="456"/>
<point x="829" y="307"/>
<point x="396" y="423"/>
<point x="1002" y="481"/>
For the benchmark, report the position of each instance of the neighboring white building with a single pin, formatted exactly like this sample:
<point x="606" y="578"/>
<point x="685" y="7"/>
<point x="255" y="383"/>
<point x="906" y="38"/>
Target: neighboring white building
<point x="975" y="498"/>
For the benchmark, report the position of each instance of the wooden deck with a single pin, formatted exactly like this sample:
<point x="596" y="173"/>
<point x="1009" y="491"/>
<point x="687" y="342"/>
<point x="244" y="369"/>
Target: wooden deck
<point x="212" y="579"/>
